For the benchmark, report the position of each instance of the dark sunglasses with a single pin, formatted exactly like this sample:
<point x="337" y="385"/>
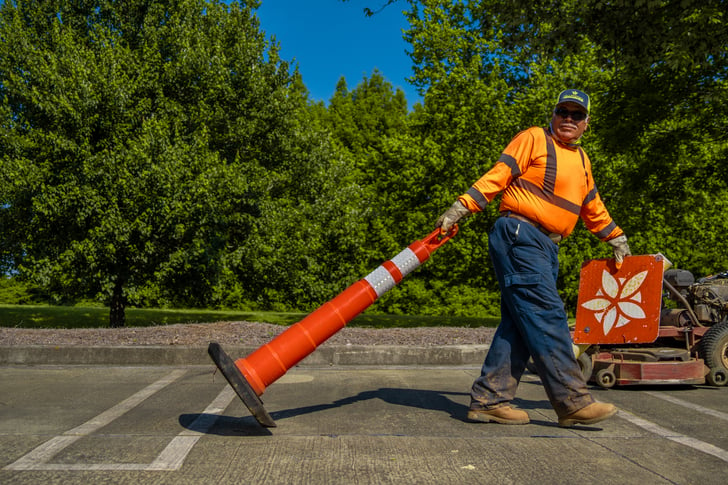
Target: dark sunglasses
<point x="575" y="115"/>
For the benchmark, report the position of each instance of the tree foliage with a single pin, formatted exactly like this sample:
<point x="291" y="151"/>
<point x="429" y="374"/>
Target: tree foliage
<point x="149" y="147"/>
<point x="657" y="74"/>
<point x="162" y="153"/>
<point x="662" y="116"/>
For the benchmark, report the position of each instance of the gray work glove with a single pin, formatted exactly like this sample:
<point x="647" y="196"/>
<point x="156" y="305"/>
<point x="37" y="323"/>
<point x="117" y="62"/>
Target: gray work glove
<point x="451" y="217"/>
<point x="620" y="248"/>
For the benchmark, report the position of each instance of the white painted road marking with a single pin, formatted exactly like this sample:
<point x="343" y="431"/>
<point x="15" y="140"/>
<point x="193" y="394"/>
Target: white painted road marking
<point x="38" y="458"/>
<point x="673" y="436"/>
<point x="172" y="457"/>
<point x="689" y="405"/>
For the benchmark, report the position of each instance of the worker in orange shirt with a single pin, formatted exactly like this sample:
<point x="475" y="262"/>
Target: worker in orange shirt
<point x="546" y="180"/>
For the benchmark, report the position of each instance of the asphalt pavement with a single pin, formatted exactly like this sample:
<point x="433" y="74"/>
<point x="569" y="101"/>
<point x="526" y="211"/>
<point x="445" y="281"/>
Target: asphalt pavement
<point x="345" y="416"/>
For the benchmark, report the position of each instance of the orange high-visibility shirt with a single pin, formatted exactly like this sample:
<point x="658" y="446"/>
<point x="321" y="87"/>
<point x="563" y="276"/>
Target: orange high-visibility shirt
<point x="548" y="182"/>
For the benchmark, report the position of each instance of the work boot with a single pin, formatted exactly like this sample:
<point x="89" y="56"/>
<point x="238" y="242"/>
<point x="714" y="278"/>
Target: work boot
<point x="593" y="413"/>
<point x="502" y="415"/>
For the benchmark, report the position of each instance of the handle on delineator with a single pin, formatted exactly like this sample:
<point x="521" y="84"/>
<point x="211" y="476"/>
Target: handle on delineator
<point x="250" y="376"/>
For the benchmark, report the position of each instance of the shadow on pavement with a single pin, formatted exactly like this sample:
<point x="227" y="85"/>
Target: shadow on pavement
<point x="417" y="398"/>
<point x="223" y="425"/>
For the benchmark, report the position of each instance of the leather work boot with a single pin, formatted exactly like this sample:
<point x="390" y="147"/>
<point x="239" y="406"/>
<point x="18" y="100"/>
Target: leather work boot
<point x="502" y="415"/>
<point x="593" y="413"/>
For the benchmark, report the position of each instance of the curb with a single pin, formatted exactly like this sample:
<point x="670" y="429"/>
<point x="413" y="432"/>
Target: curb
<point x="375" y="355"/>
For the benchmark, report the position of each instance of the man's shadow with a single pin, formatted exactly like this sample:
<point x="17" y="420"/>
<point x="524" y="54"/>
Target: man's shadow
<point x="248" y="426"/>
<point x="415" y="398"/>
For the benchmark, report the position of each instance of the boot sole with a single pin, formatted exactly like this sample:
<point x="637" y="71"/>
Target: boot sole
<point x="567" y="423"/>
<point x="487" y="418"/>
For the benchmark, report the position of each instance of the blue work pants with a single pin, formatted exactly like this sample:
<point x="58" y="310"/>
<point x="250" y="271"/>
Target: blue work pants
<point x="533" y="323"/>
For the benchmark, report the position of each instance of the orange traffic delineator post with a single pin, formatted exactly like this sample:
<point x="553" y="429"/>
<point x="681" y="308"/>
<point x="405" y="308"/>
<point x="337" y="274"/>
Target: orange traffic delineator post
<point x="250" y="376"/>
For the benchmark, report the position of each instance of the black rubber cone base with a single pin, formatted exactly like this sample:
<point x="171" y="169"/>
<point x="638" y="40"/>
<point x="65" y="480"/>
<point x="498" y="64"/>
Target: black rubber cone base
<point x="241" y="386"/>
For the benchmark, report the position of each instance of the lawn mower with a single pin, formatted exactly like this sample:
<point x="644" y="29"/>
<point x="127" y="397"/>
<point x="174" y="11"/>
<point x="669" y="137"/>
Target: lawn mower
<point x="647" y="323"/>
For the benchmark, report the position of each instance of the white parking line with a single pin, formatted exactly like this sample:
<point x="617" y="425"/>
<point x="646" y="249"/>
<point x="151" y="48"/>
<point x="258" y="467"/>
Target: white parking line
<point x="172" y="457"/>
<point x="673" y="436"/>
<point x="38" y="458"/>
<point x="689" y="405"/>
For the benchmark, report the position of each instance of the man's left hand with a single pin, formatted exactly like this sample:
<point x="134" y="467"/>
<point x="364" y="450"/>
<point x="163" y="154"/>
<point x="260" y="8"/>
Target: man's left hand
<point x="620" y="248"/>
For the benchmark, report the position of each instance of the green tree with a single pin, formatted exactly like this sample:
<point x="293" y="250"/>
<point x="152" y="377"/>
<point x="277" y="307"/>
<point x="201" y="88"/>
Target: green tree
<point x="662" y="115"/>
<point x="306" y="243"/>
<point x="364" y="121"/>
<point x="488" y="69"/>
<point x="476" y="99"/>
<point x="141" y="141"/>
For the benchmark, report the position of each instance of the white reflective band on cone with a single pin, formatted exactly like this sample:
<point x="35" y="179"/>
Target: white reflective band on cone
<point x="381" y="280"/>
<point x="406" y="261"/>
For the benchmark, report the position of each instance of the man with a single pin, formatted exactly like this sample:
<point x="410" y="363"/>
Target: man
<point x="547" y="184"/>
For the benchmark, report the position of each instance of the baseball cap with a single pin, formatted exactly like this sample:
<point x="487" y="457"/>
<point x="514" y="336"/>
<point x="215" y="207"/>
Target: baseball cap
<point x="574" y="96"/>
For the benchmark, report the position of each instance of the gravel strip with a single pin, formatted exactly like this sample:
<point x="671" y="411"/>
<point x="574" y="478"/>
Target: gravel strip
<point x="237" y="333"/>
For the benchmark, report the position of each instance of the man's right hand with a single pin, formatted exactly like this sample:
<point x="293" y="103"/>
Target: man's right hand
<point x="451" y="216"/>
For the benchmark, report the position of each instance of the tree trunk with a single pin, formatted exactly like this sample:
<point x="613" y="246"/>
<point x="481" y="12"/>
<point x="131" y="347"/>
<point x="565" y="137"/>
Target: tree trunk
<point x="117" y="318"/>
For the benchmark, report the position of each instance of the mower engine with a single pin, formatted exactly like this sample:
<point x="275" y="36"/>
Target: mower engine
<point x="708" y="298"/>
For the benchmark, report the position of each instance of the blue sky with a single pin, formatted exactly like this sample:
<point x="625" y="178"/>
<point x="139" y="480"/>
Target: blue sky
<point x="330" y="39"/>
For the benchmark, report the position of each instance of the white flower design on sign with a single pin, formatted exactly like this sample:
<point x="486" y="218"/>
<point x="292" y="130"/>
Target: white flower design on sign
<point x="617" y="302"/>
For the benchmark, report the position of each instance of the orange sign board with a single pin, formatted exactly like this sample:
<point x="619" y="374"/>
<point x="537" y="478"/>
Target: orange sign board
<point x="620" y="306"/>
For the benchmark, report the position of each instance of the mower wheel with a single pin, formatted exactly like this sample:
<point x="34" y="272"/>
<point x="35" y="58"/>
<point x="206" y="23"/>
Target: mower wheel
<point x="606" y="378"/>
<point x="714" y="351"/>
<point x="586" y="365"/>
<point x="717" y="377"/>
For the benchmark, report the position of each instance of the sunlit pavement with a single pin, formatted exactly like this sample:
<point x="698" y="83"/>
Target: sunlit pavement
<point x="337" y="424"/>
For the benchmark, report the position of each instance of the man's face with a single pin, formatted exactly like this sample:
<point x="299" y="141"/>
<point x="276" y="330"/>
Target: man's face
<point x="565" y="126"/>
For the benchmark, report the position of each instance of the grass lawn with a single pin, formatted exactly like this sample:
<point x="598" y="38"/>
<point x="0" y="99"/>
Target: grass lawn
<point x="42" y="316"/>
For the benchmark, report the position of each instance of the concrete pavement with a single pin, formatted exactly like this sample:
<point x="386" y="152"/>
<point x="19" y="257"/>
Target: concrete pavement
<point x="346" y="414"/>
<point x="339" y="425"/>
